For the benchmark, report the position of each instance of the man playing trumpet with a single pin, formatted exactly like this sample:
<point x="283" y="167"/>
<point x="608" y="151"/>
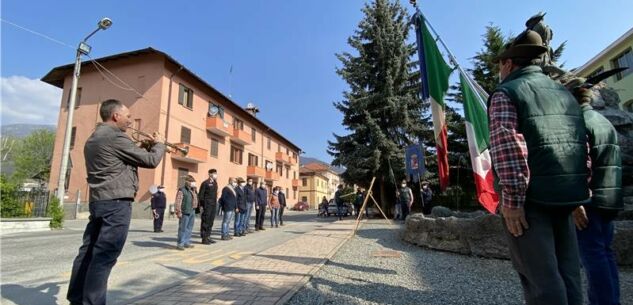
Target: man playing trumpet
<point x="112" y="159"/>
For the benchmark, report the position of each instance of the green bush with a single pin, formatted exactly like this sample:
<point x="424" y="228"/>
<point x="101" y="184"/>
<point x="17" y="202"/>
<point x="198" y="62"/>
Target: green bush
<point x="56" y="212"/>
<point x="10" y="206"/>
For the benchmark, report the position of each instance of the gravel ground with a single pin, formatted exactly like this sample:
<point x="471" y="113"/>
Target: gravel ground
<point x="355" y="275"/>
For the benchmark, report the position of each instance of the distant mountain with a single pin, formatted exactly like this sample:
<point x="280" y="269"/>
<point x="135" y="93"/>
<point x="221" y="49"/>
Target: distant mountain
<point x="305" y="160"/>
<point x="23" y="130"/>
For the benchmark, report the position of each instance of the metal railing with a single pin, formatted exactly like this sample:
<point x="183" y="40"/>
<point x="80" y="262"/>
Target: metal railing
<point x="32" y="203"/>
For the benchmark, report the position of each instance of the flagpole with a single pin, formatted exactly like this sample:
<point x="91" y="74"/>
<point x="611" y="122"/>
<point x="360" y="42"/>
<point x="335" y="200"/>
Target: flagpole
<point x="451" y="57"/>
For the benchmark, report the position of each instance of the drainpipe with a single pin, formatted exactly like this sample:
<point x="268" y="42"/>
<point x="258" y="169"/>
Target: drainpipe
<point x="162" y="172"/>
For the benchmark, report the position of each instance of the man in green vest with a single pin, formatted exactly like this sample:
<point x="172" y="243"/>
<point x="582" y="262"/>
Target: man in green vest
<point x="539" y="154"/>
<point x="594" y="221"/>
<point x="185" y="205"/>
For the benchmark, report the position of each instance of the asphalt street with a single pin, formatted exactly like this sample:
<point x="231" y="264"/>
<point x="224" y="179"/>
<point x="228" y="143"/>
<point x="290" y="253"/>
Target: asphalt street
<point x="35" y="267"/>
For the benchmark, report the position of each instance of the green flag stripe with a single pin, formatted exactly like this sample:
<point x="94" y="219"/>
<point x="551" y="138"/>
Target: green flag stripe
<point x="437" y="69"/>
<point x="476" y="115"/>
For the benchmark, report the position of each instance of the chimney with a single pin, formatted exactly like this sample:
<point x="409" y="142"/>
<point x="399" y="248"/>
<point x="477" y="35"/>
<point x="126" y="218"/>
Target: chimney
<point x="252" y="109"/>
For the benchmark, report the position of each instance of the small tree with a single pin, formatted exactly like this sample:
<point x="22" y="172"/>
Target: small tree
<point x="33" y="154"/>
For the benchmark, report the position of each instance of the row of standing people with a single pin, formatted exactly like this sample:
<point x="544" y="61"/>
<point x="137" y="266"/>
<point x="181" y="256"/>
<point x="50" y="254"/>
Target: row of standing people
<point x="237" y="201"/>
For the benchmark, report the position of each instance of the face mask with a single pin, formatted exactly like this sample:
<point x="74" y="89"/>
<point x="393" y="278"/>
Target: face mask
<point x="192" y="184"/>
<point x="424" y="187"/>
<point x="404" y="185"/>
<point x="261" y="186"/>
<point x="234" y="184"/>
<point x="161" y="190"/>
<point x="242" y="184"/>
<point x="214" y="176"/>
<point x="250" y="182"/>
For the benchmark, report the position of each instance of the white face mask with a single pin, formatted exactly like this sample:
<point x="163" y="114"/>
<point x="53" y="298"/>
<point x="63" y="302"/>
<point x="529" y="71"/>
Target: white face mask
<point x="234" y="184"/>
<point x="242" y="184"/>
<point x="192" y="184"/>
<point x="161" y="190"/>
<point x="404" y="185"/>
<point x="250" y="183"/>
<point x="424" y="187"/>
<point x="214" y="176"/>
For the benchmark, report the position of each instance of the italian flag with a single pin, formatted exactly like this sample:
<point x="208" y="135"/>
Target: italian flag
<point x="434" y="73"/>
<point x="475" y="112"/>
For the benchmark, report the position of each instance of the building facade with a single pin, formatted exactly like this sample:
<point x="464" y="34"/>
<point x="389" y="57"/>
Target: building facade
<point x="326" y="171"/>
<point x="617" y="54"/>
<point x="164" y="96"/>
<point x="313" y="187"/>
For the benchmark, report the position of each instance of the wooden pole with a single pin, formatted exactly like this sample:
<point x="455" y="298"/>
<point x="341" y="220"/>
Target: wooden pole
<point x="371" y="185"/>
<point x="383" y="213"/>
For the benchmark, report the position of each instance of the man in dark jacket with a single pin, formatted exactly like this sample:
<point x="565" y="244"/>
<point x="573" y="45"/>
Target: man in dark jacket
<point x="261" y="202"/>
<point x="112" y="159"/>
<point x="228" y="201"/>
<point x="539" y="157"/>
<point x="339" y="201"/>
<point x="249" y="191"/>
<point x="282" y="202"/>
<point x="240" y="212"/>
<point x="208" y="195"/>
<point x="594" y="221"/>
<point x="159" y="203"/>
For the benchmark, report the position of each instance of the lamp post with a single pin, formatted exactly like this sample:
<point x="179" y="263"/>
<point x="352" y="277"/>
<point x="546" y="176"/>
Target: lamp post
<point x="83" y="48"/>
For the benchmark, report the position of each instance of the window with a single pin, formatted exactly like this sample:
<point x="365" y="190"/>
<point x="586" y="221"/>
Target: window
<point x="304" y="199"/>
<point x="252" y="160"/>
<point x="278" y="147"/>
<point x="214" y="147"/>
<point x="238" y="124"/>
<point x="287" y="192"/>
<point x="185" y="135"/>
<point x="268" y="143"/>
<point x="304" y="182"/>
<point x="294" y="175"/>
<point x="73" y="135"/>
<point x="217" y="109"/>
<point x="280" y="169"/>
<point x="185" y="96"/>
<point x="269" y="166"/>
<point x="294" y="194"/>
<point x="77" y="100"/>
<point x="182" y="174"/>
<point x="236" y="154"/>
<point x="287" y="171"/>
<point x="287" y="151"/>
<point x="623" y="60"/>
<point x="253" y="134"/>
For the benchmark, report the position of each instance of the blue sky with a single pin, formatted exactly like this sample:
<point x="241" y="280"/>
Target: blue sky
<point x="282" y="52"/>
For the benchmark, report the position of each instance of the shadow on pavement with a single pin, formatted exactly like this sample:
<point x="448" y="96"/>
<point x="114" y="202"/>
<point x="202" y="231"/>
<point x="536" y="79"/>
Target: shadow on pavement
<point x="45" y="294"/>
<point x="152" y="244"/>
<point x="182" y="271"/>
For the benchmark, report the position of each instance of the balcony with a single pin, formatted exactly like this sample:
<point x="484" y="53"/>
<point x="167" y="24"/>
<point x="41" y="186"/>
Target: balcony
<point x="218" y="126"/>
<point x="241" y="137"/>
<point x="295" y="183"/>
<point x="293" y="161"/>
<point x="282" y="157"/>
<point x="272" y="176"/>
<point x="195" y="154"/>
<point x="254" y="171"/>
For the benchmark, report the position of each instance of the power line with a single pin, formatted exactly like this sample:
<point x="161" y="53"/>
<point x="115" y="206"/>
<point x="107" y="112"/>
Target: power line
<point x="37" y="33"/>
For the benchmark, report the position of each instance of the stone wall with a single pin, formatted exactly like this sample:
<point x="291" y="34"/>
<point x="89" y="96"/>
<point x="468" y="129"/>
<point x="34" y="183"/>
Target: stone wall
<point x="482" y="235"/>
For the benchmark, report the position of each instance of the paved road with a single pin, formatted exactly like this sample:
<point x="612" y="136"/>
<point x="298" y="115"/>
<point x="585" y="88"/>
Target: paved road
<point x="35" y="267"/>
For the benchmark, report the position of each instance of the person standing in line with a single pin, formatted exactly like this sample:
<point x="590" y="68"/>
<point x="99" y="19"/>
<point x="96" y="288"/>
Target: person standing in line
<point x="208" y="196"/>
<point x="358" y="202"/>
<point x="240" y="213"/>
<point x="339" y="201"/>
<point x="282" y="205"/>
<point x="405" y="199"/>
<point x="594" y="221"/>
<point x="249" y="191"/>
<point x="538" y="145"/>
<point x="324" y="206"/>
<point x="228" y="200"/>
<point x="261" y="201"/>
<point x="274" y="205"/>
<point x="159" y="203"/>
<point x="112" y="160"/>
<point x="186" y="204"/>
<point x="427" y="198"/>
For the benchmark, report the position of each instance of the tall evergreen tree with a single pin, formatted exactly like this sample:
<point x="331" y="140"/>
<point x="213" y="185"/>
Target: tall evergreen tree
<point x="382" y="109"/>
<point x="485" y="69"/>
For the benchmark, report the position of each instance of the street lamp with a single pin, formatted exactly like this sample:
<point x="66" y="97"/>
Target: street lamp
<point x="83" y="48"/>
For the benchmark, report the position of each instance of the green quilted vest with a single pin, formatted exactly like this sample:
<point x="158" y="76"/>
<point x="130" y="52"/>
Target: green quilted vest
<point x="552" y="124"/>
<point x="606" y="165"/>
<point x="187" y="201"/>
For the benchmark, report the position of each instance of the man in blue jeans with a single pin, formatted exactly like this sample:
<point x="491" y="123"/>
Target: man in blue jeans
<point x="186" y="203"/>
<point x="228" y="200"/>
<point x="249" y="192"/>
<point x="240" y="213"/>
<point x="594" y="221"/>
<point x="112" y="160"/>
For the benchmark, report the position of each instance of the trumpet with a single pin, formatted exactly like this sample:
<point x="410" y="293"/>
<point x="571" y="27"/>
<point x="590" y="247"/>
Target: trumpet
<point x="146" y="143"/>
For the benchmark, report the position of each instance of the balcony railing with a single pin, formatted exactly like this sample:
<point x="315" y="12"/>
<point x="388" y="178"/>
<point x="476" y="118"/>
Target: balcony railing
<point x="218" y="126"/>
<point x="272" y="176"/>
<point x="254" y="171"/>
<point x="295" y="183"/>
<point x="282" y="157"/>
<point x="241" y="137"/>
<point x="195" y="154"/>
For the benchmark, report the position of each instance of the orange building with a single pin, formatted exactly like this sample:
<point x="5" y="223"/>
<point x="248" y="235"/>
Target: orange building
<point x="165" y="96"/>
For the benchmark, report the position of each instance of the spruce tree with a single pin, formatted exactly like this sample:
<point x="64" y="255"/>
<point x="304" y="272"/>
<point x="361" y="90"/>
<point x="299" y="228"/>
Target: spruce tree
<point x="381" y="109"/>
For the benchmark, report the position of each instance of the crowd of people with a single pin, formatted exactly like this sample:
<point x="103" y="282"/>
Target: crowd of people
<point x="237" y="201"/>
